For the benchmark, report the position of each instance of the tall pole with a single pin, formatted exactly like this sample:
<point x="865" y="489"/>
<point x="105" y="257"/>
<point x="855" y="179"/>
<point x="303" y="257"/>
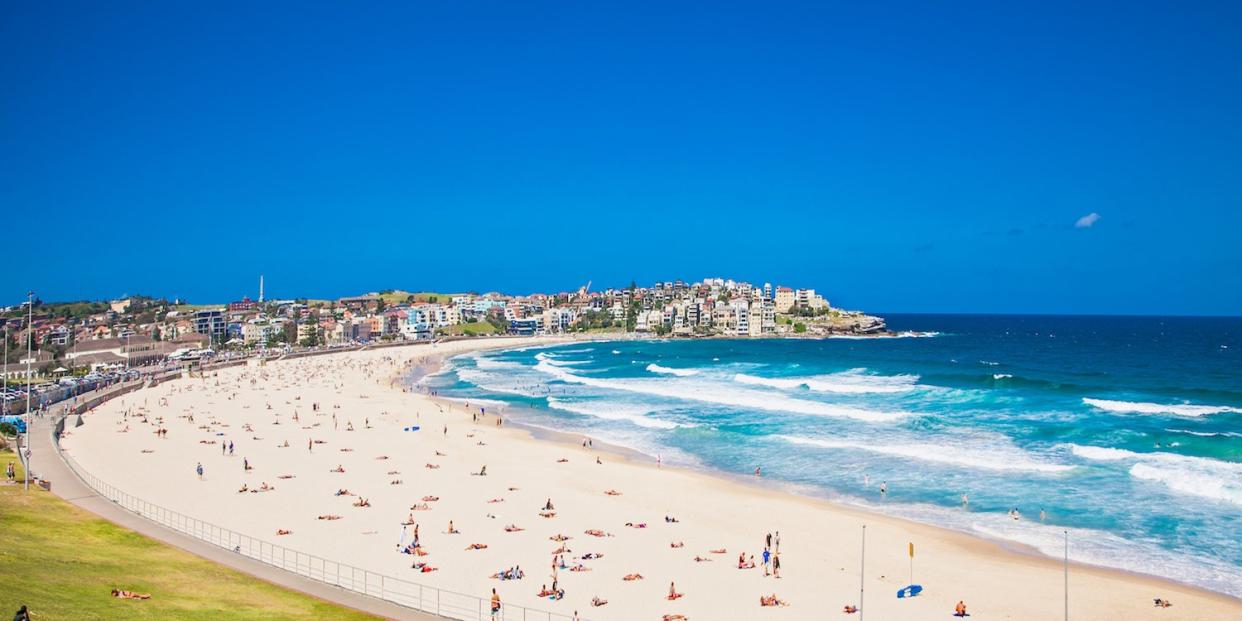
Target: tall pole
<point x="1067" y="575"/>
<point x="4" y="403"/>
<point x="862" y="571"/>
<point x="29" y="356"/>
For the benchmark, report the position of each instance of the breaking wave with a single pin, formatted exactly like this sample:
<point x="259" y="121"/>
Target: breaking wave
<point x="1000" y="457"/>
<point x="1179" y="409"/>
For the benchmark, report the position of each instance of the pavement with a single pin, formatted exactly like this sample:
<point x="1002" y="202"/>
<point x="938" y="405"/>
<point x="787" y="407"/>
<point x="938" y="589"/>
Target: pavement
<point x="66" y="484"/>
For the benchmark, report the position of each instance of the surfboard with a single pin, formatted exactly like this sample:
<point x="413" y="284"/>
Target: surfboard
<point x="910" y="591"/>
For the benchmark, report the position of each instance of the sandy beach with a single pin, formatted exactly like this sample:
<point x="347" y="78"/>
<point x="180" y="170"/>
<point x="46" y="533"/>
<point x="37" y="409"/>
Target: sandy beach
<point x="304" y="429"/>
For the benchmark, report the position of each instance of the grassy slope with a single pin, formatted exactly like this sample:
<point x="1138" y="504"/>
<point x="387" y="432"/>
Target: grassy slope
<point x="63" y="561"/>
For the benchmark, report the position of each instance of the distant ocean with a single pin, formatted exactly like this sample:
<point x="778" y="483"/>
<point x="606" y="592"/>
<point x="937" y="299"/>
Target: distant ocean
<point x="1126" y="431"/>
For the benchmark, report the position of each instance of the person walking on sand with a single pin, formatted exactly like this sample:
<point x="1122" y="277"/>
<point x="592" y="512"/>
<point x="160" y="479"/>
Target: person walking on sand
<point x="495" y="604"/>
<point x="767" y="558"/>
<point x="777" y="548"/>
<point x="776" y="565"/>
<point x="199" y="470"/>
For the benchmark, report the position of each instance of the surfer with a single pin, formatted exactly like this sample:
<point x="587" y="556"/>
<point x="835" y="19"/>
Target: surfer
<point x="883" y="489"/>
<point x="965" y="501"/>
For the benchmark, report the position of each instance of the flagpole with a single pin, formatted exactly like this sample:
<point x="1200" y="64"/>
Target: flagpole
<point x="862" y="570"/>
<point x="29" y="355"/>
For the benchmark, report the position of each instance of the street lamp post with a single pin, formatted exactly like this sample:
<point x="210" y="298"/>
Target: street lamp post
<point x="29" y="356"/>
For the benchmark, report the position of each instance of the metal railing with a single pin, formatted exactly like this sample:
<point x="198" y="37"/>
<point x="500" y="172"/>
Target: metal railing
<point x="401" y="592"/>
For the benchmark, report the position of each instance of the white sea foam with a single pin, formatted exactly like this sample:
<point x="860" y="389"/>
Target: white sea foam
<point x="612" y="410"/>
<point x="1208" y="434"/>
<point x="1197" y="476"/>
<point x="1177" y="409"/>
<point x="493" y="364"/>
<point x="655" y="368"/>
<point x="560" y="362"/>
<point x="853" y="381"/>
<point x="616" y="351"/>
<point x="1001" y="376"/>
<point x="999" y="456"/>
<point x="720" y="394"/>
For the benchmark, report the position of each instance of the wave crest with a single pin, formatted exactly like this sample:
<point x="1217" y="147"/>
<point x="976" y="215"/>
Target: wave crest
<point x="1179" y="409"/>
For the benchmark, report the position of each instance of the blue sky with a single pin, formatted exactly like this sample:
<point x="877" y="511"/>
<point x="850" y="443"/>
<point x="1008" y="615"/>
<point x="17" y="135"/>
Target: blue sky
<point x="896" y="156"/>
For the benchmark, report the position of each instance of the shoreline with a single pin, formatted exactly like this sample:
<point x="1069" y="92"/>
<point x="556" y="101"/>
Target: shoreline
<point x="752" y="484"/>
<point x="719" y="508"/>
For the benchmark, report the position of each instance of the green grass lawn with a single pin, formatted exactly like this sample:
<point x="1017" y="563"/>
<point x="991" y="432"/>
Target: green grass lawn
<point x="470" y="329"/>
<point x="62" y="562"/>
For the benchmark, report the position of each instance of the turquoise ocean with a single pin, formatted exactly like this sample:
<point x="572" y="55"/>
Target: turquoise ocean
<point x="1124" y="431"/>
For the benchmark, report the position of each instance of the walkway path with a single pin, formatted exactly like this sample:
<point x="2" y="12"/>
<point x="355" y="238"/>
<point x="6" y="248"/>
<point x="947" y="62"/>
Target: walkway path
<point x="67" y="485"/>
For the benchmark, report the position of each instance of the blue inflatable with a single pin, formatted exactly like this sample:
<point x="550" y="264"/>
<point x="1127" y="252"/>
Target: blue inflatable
<point x="910" y="591"/>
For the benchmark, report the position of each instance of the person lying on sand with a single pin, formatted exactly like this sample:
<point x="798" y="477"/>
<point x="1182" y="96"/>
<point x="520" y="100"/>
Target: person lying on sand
<point x="382" y="457"/>
<point x="562" y="461"/>
<point x="477" y="546"/>
<point x="591" y="555"/>
<point x="329" y="517"/>
<point x="422" y="506"/>
<point x="612" y="492"/>
<point x="424" y="567"/>
<point x="672" y="592"/>
<point x="392" y="472"/>
<point x="344" y="492"/>
<point x="702" y="559"/>
<point x="595" y="532"/>
<point x="579" y="567"/>
<point x="632" y="577"/>
<point x="771" y="600"/>
<point x="430" y="498"/>
<point x="677" y="544"/>
<point x="719" y="551"/>
<point x="123" y="594"/>
<point x="284" y="531"/>
<point x="513" y="528"/>
<point x="545" y="592"/>
<point x="362" y="502"/>
<point x="512" y="573"/>
<point x="597" y="602"/>
<point x="396" y="482"/>
<point x="668" y="519"/>
<point x="338" y="469"/>
<point x="559" y="537"/>
<point x="674" y="618"/>
<point x="286" y="476"/>
<point x="849" y="609"/>
<point x="496" y="500"/>
<point x="638" y="525"/>
<point x="1160" y="603"/>
<point x="432" y="467"/>
<point x="547" y="514"/>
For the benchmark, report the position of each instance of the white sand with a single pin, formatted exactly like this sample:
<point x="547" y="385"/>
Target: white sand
<point x="819" y="542"/>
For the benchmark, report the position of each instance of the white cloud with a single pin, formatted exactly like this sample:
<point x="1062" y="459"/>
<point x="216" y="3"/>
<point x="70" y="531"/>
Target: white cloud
<point x="1087" y="221"/>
